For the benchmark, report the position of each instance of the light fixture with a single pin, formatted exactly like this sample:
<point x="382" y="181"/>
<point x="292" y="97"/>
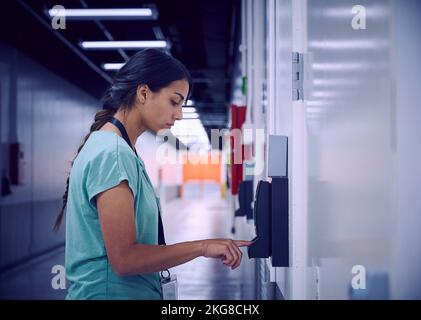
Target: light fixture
<point x="112" y="66"/>
<point x="104" y="45"/>
<point x="190" y="103"/>
<point x="190" y="116"/>
<point x="190" y="121"/>
<point x="189" y="110"/>
<point x="104" y="14"/>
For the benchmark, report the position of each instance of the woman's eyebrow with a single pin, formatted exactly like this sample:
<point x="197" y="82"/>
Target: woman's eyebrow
<point x="180" y="95"/>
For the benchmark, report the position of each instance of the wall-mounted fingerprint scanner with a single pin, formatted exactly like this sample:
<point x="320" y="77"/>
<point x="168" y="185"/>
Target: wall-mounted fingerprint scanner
<point x="278" y="171"/>
<point x="271" y="207"/>
<point x="261" y="246"/>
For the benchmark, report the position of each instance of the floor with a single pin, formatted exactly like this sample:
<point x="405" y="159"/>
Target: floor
<point x="201" y="214"/>
<point x="34" y="280"/>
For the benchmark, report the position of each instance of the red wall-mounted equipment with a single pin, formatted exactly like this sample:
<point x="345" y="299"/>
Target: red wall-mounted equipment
<point x="238" y="116"/>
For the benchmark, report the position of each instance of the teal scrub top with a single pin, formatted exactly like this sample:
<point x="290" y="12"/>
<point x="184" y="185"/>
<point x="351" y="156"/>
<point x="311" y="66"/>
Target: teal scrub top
<point x="104" y="161"/>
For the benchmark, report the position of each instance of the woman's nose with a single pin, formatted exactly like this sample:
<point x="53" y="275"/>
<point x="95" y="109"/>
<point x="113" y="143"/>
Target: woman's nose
<point x="178" y="113"/>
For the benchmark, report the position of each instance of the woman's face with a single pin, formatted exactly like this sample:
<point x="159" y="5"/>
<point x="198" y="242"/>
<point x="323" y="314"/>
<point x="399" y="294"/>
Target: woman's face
<point x="161" y="109"/>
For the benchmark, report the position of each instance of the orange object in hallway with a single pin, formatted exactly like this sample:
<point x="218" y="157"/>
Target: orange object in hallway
<point x="201" y="169"/>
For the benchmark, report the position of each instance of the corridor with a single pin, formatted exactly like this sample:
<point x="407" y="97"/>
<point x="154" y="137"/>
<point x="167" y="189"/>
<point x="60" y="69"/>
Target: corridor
<point x="291" y="124"/>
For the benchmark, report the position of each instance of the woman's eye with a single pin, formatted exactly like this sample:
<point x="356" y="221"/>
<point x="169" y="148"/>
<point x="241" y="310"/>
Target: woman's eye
<point x="174" y="103"/>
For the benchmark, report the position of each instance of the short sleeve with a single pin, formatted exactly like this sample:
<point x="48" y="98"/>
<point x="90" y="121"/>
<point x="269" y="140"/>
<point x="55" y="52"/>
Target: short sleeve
<point x="108" y="169"/>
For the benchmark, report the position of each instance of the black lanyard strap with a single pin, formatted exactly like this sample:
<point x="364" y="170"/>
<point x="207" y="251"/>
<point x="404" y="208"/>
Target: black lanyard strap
<point x="123" y="132"/>
<point x="120" y="126"/>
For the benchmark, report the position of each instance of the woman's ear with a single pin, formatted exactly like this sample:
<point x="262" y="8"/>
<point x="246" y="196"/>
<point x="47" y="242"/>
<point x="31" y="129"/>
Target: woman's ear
<point x="141" y="93"/>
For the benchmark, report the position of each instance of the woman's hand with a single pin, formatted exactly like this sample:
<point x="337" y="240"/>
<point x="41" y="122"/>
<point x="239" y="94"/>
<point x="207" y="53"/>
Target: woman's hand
<point x="225" y="249"/>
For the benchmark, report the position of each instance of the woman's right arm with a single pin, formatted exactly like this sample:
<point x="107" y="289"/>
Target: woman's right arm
<point x="127" y="257"/>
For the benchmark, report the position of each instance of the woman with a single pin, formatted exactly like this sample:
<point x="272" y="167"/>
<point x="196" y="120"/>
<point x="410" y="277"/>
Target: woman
<point x="114" y="233"/>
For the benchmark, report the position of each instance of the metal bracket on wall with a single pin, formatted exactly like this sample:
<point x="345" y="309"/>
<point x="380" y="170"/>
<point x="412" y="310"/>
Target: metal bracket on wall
<point x="297" y="76"/>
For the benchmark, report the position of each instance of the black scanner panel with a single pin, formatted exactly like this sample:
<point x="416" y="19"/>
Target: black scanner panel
<point x="280" y="222"/>
<point x="271" y="218"/>
<point x="271" y="207"/>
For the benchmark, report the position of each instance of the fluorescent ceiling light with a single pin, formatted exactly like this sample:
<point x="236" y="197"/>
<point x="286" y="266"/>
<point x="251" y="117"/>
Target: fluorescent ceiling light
<point x="189" y="110"/>
<point x="123" y="44"/>
<point x="188" y="123"/>
<point x="189" y="103"/>
<point x="112" y="66"/>
<point x="88" y="13"/>
<point x="190" y="116"/>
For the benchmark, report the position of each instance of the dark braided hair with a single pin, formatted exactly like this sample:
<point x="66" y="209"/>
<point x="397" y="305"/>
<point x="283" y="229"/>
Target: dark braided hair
<point x="150" y="67"/>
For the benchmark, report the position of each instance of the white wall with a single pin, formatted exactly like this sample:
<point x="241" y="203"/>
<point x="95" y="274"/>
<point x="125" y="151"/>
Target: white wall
<point x="351" y="147"/>
<point x="406" y="279"/>
<point x="52" y="117"/>
<point x="354" y="151"/>
<point x="362" y="151"/>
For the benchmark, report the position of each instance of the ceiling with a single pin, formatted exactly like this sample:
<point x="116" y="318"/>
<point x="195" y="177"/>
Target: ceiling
<point x="201" y="34"/>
